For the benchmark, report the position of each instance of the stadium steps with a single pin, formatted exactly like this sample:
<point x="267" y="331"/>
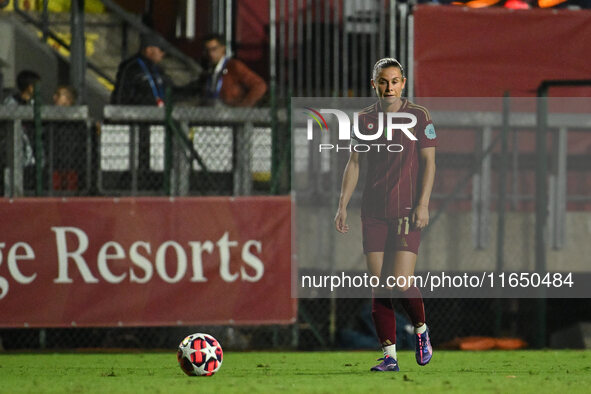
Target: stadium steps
<point x="103" y="33"/>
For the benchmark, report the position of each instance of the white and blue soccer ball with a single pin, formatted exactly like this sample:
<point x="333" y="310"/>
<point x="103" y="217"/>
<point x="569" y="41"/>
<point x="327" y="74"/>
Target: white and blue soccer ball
<point x="200" y="355"/>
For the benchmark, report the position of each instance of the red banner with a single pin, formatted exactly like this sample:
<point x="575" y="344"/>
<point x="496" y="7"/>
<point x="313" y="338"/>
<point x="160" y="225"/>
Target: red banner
<point x="462" y="52"/>
<point x="145" y="261"/>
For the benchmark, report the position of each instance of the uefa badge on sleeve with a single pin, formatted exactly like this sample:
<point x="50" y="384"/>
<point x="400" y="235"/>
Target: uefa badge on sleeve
<point x="430" y="131"/>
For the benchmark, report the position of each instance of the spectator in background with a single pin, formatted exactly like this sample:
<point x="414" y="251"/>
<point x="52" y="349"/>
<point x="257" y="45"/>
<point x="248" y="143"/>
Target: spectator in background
<point x="25" y="82"/>
<point x="65" y="96"/>
<point x="140" y="81"/>
<point x="69" y="145"/>
<point x="228" y="80"/>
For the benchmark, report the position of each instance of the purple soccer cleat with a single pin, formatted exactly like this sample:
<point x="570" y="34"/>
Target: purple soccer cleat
<point x="424" y="351"/>
<point x="388" y="364"/>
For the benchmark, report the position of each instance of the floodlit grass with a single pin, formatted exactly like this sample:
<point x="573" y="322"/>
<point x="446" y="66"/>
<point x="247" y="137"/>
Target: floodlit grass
<point x="321" y="372"/>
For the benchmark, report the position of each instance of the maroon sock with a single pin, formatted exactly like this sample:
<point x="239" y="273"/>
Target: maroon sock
<point x="412" y="302"/>
<point x="384" y="320"/>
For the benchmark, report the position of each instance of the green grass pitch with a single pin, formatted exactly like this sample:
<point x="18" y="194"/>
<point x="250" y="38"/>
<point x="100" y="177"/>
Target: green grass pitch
<point x="320" y="372"/>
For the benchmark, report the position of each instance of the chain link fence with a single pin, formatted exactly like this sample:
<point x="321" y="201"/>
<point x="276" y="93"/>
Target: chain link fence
<point x="213" y="151"/>
<point x="46" y="155"/>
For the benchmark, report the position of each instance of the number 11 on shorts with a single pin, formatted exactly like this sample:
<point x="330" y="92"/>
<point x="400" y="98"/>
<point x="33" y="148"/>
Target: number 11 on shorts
<point x="406" y="225"/>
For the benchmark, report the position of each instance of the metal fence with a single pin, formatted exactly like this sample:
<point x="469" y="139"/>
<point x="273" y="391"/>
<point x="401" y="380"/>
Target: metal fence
<point x="213" y="151"/>
<point x="49" y="154"/>
<point x="313" y="41"/>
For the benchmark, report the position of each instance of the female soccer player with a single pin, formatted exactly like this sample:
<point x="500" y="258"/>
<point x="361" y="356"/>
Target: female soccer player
<point x="394" y="209"/>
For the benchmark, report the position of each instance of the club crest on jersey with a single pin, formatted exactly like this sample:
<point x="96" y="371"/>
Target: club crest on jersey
<point x="369" y="123"/>
<point x="430" y="131"/>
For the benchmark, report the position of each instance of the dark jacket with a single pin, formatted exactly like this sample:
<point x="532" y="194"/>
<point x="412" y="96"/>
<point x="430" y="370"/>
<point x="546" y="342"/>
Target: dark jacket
<point x="133" y="87"/>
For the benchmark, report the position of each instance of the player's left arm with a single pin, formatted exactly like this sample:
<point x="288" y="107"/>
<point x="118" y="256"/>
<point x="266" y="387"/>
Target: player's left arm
<point x="420" y="213"/>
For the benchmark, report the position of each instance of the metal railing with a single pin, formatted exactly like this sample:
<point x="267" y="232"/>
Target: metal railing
<point x="214" y="150"/>
<point x="18" y="129"/>
<point x="314" y="41"/>
<point x="80" y="61"/>
<point x="557" y="207"/>
<point x="139" y="150"/>
<point x="42" y="23"/>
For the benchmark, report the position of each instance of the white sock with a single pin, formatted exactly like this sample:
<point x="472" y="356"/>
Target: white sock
<point x="421" y="329"/>
<point x="390" y="350"/>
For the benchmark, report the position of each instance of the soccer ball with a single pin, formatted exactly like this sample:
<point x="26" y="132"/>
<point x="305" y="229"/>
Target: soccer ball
<point x="200" y="355"/>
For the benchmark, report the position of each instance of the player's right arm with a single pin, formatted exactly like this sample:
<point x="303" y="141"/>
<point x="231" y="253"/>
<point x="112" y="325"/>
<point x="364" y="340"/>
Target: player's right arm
<point x="350" y="177"/>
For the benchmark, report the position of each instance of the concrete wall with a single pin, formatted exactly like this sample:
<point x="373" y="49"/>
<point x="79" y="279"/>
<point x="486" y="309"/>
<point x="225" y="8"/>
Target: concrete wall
<point x="20" y="49"/>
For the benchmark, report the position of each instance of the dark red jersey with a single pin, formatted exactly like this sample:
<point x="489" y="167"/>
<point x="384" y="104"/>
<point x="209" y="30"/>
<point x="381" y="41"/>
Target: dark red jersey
<point x="391" y="187"/>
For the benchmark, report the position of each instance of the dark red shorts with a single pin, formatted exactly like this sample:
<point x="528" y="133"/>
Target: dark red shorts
<point x="392" y="235"/>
